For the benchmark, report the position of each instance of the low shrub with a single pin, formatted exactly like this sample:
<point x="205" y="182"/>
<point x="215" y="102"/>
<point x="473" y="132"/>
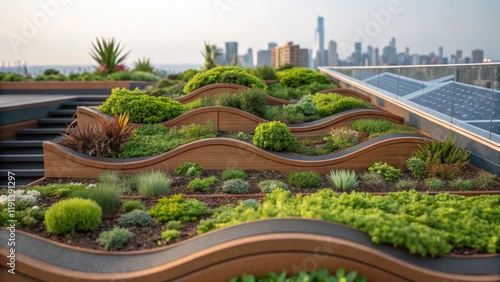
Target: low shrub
<point x="115" y="239"/>
<point x="189" y="169"/>
<point x="170" y="234"/>
<point x="50" y="77"/>
<point x="484" y="180"/>
<point x="229" y="174"/>
<point x="405" y="184"/>
<point x="297" y="77"/>
<point x="236" y="186"/>
<point x="136" y="76"/>
<point x="306" y="105"/>
<point x="343" y="137"/>
<point x="174" y="224"/>
<point x="107" y="196"/>
<point x="292" y="114"/>
<point x="267" y="186"/>
<point x="153" y="183"/>
<point x="372" y="126"/>
<point x="228" y="100"/>
<point x="434" y="184"/>
<point x="417" y="167"/>
<point x="149" y="140"/>
<point x="178" y="208"/>
<point x="72" y="215"/>
<point x="305" y="179"/>
<point x="253" y="101"/>
<point x="59" y="190"/>
<point x="273" y="135"/>
<point x="372" y="179"/>
<point x="130" y="205"/>
<point x="389" y="172"/>
<point x="135" y="218"/>
<point x="109" y="177"/>
<point x="264" y="72"/>
<point x="461" y="184"/>
<point x="242" y="136"/>
<point x="223" y="74"/>
<point x="315" y="275"/>
<point x="199" y="103"/>
<point x="141" y="107"/>
<point x="203" y="185"/>
<point x="343" y="179"/>
<point x="13" y="77"/>
<point x="332" y="103"/>
<point x="443" y="159"/>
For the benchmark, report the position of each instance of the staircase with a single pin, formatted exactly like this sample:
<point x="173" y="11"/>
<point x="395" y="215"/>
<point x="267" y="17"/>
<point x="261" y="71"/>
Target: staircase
<point x="24" y="154"/>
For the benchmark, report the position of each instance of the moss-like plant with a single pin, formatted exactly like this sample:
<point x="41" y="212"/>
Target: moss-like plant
<point x="73" y="215"/>
<point x="305" y="179"/>
<point x="297" y="77"/>
<point x="178" y="208"/>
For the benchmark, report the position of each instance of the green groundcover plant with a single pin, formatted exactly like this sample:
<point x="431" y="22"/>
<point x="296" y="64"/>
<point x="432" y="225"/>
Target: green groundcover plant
<point x="424" y="224"/>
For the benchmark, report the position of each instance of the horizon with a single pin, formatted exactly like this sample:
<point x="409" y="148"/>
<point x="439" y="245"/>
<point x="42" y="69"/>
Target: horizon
<point x="60" y="32"/>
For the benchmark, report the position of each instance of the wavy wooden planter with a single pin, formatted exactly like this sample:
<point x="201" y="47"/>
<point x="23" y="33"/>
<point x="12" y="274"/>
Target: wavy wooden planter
<point x="257" y="247"/>
<point x="222" y="153"/>
<point x="215" y="89"/>
<point x="47" y="86"/>
<point x="346" y="92"/>
<point x="234" y="120"/>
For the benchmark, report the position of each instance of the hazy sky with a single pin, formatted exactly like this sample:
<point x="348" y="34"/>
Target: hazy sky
<point x="49" y="32"/>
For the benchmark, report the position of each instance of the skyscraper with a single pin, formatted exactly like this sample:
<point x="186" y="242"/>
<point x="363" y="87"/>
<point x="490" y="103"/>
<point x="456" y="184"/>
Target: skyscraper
<point x="231" y="53"/>
<point x="332" y="53"/>
<point x="356" y="57"/>
<point x="319" y="53"/>
<point x="264" y="56"/>
<point x="477" y="56"/>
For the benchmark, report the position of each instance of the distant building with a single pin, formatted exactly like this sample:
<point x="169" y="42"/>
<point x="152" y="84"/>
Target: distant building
<point x="264" y="56"/>
<point x="231" y="56"/>
<point x="246" y="60"/>
<point x="289" y="54"/>
<point x="221" y="58"/>
<point x="441" y="52"/>
<point x="458" y="56"/>
<point x="376" y="57"/>
<point x="356" y="56"/>
<point x="332" y="53"/>
<point x="319" y="54"/>
<point x="477" y="56"/>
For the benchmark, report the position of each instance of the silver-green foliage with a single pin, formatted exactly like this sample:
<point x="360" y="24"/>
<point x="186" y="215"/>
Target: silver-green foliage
<point x="343" y="179"/>
<point x="236" y="186"/>
<point x="114" y="239"/>
<point x="154" y="183"/>
<point x="267" y="186"/>
<point x="135" y="218"/>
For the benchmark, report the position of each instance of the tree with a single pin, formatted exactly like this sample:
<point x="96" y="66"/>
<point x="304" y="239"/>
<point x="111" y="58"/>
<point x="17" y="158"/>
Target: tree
<point x="211" y="53"/>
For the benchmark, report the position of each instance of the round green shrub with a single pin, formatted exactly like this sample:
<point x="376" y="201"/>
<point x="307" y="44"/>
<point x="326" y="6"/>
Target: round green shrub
<point x="223" y="74"/>
<point x="141" y="107"/>
<point x="273" y="135"/>
<point x="72" y="215"/>
<point x="297" y="77"/>
<point x="130" y="205"/>
<point x="236" y="186"/>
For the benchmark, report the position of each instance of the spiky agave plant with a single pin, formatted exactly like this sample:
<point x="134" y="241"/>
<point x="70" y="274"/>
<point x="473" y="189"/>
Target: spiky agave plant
<point x="108" y="54"/>
<point x="143" y="65"/>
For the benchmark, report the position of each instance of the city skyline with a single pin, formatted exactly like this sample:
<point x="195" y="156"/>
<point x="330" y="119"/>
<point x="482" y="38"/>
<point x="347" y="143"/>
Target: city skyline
<point x="60" y="32"/>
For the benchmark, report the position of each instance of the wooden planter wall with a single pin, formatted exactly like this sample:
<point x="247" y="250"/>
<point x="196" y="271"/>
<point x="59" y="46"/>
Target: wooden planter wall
<point x="256" y="247"/>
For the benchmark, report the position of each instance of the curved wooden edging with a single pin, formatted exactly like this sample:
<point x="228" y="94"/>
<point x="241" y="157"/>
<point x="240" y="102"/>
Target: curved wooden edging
<point x="346" y="92"/>
<point x="222" y="153"/>
<point x="257" y="247"/>
<point x="233" y="120"/>
<point x="210" y="90"/>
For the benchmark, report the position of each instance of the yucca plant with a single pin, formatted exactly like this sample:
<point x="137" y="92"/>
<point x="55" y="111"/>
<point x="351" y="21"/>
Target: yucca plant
<point x="108" y="54"/>
<point x="343" y="179"/>
<point x="143" y="65"/>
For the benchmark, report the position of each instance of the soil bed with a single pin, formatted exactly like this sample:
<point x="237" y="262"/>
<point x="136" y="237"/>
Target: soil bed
<point x="149" y="237"/>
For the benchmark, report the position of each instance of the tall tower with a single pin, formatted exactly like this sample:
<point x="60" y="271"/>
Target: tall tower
<point x="319" y="53"/>
<point x="332" y="53"/>
<point x="231" y="53"/>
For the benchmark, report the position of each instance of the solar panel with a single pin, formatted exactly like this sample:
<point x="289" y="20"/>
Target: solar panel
<point x="462" y="101"/>
<point x="399" y="85"/>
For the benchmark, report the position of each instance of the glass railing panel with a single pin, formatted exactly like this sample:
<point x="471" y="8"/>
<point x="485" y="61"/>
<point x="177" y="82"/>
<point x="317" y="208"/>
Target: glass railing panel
<point x="474" y="101"/>
<point x="411" y="83"/>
